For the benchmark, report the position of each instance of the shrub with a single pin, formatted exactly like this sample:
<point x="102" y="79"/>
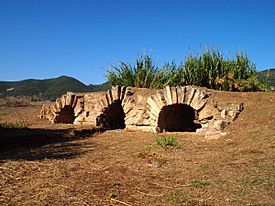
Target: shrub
<point x="252" y="84"/>
<point x="11" y="101"/>
<point x="167" y="141"/>
<point x="211" y="70"/>
<point x="10" y="125"/>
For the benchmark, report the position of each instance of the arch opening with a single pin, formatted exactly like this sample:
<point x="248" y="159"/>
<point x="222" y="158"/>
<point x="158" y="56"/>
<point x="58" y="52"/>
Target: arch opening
<point x="66" y="115"/>
<point x="178" y="118"/>
<point x="112" y="117"/>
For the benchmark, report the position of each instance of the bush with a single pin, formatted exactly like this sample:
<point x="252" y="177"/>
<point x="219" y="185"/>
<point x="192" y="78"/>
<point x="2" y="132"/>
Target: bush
<point x="167" y="141"/>
<point x="209" y="69"/>
<point x="252" y="84"/>
<point x="10" y="125"/>
<point x="11" y="101"/>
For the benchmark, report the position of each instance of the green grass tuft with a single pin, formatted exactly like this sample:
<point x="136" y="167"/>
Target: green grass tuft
<point x="3" y="113"/>
<point x="200" y="184"/>
<point x="16" y="125"/>
<point x="183" y="198"/>
<point x="167" y="141"/>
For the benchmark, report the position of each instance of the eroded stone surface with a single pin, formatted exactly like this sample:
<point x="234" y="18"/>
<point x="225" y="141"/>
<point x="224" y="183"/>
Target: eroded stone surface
<point x="140" y="109"/>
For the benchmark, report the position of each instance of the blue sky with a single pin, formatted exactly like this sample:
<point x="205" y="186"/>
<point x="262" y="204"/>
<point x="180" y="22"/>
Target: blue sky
<point x="82" y="38"/>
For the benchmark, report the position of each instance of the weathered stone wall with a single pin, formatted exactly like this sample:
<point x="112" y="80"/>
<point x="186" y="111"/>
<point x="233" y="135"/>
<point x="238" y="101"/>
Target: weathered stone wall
<point x="142" y="108"/>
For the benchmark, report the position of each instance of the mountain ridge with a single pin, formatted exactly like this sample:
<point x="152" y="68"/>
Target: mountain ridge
<point x="48" y="88"/>
<point x="53" y="88"/>
<point x="268" y="76"/>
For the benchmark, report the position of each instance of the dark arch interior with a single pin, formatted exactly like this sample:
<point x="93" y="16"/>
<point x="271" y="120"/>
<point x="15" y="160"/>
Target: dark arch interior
<point x="66" y="115"/>
<point x="177" y="118"/>
<point x="112" y="117"/>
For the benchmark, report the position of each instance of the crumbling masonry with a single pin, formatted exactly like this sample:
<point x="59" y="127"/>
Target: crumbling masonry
<point x="170" y="109"/>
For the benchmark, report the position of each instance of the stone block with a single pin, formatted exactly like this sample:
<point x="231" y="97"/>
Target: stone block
<point x="153" y="106"/>
<point x="190" y="95"/>
<point x="116" y="92"/>
<point x="169" y="95"/>
<point x="212" y="135"/>
<point x="63" y="101"/>
<point x="122" y="92"/>
<point x="201" y="131"/>
<point x="161" y="98"/>
<point x="218" y="125"/>
<point x="69" y="98"/>
<point x="224" y="114"/>
<point x="174" y="95"/>
<point x="158" y="101"/>
<point x="206" y="113"/>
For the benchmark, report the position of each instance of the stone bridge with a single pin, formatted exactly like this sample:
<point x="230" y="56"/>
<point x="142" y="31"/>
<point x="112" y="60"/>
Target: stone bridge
<point x="175" y="109"/>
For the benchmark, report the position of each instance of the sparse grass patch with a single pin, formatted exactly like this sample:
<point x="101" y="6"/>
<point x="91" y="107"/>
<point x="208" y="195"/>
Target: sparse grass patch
<point x="256" y="181"/>
<point x="262" y="204"/>
<point x="199" y="184"/>
<point x="167" y="142"/>
<point x="3" y="113"/>
<point x="204" y="167"/>
<point x="145" y="152"/>
<point x="114" y="190"/>
<point x="239" y="191"/>
<point x="183" y="198"/>
<point x="177" y="197"/>
<point x="221" y="181"/>
<point x="112" y="194"/>
<point x="115" y="183"/>
<point x="151" y="156"/>
<point x="11" y="125"/>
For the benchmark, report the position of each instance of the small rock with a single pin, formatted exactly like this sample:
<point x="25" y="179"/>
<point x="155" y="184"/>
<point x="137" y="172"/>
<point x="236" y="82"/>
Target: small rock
<point x="213" y="135"/>
<point x="223" y="114"/>
<point x="220" y="125"/>
<point x="155" y="165"/>
<point x="201" y="131"/>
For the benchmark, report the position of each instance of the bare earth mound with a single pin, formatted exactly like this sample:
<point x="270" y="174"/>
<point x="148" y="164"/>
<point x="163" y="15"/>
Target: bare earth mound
<point x="123" y="167"/>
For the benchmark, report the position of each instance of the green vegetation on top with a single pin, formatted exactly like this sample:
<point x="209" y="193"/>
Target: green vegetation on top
<point x="209" y="69"/>
<point x="48" y="88"/>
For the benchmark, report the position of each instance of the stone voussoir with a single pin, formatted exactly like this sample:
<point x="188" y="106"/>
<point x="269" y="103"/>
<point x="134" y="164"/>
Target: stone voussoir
<point x="142" y="110"/>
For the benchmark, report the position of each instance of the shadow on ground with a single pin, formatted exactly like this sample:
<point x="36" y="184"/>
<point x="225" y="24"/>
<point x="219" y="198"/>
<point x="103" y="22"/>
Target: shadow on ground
<point x="37" y="144"/>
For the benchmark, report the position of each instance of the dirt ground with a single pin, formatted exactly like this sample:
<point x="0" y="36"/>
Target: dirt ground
<point x="122" y="167"/>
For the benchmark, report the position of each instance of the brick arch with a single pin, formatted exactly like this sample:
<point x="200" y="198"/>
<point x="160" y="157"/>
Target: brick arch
<point x="178" y="118"/>
<point x="194" y="97"/>
<point x="67" y="102"/>
<point x="114" y="107"/>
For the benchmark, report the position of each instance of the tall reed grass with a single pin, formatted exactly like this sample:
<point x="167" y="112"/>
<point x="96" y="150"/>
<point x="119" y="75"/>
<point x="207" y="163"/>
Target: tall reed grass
<point x="208" y="69"/>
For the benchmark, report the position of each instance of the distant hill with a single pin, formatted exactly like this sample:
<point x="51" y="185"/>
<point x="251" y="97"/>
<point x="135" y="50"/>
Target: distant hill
<point x="47" y="88"/>
<point x="55" y="87"/>
<point x="268" y="76"/>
